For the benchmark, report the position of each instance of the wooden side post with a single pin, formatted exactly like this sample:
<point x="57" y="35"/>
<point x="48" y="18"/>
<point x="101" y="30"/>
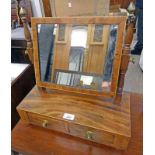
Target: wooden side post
<point x="29" y="49"/>
<point x="125" y="55"/>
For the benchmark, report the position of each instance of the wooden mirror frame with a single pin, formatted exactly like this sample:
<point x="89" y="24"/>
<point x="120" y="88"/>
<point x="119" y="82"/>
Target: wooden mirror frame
<point x="105" y="20"/>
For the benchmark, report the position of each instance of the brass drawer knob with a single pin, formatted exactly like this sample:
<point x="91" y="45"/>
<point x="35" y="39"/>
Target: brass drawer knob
<point x="45" y="123"/>
<point x="89" y="135"/>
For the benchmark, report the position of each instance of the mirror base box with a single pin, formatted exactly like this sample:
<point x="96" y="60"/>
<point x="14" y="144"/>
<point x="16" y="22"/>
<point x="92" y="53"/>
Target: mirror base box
<point x="91" y="118"/>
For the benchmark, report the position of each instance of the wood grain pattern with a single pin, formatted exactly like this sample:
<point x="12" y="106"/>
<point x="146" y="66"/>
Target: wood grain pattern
<point x="47" y="8"/>
<point x="107" y="120"/>
<point x="82" y="20"/>
<point x="94" y="57"/>
<point x="34" y="140"/>
<point x="106" y="20"/>
<point x="125" y="55"/>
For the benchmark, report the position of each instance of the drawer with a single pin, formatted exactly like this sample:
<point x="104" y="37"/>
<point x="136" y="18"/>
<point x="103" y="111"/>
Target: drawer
<point x="47" y="122"/>
<point x="91" y="134"/>
<point x="83" y="132"/>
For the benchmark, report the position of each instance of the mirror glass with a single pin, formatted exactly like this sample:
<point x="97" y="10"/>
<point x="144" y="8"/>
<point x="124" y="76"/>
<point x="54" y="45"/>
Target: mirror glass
<point x="78" y="56"/>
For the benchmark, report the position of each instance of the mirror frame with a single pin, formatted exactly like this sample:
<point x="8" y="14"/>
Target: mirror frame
<point x="105" y="20"/>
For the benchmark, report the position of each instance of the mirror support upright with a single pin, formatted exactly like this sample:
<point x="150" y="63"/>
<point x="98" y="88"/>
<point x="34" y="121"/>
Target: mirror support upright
<point x="125" y="55"/>
<point x="29" y="49"/>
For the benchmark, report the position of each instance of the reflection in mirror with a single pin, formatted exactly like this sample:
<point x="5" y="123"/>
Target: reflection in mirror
<point x="46" y="43"/>
<point x="98" y="33"/>
<point x="77" y="55"/>
<point x="78" y="46"/>
<point x="61" y="33"/>
<point x="109" y="57"/>
<point x="78" y="79"/>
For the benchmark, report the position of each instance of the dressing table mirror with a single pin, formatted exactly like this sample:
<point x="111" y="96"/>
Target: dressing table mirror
<point x="80" y="55"/>
<point x="83" y="61"/>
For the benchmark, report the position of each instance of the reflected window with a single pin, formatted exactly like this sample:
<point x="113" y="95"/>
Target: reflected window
<point x="98" y="33"/>
<point x="78" y="46"/>
<point x="79" y="37"/>
<point x="61" y="32"/>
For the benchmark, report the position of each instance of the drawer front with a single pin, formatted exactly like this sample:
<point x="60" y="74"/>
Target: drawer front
<point x="47" y="122"/>
<point x="91" y="134"/>
<point x="72" y="129"/>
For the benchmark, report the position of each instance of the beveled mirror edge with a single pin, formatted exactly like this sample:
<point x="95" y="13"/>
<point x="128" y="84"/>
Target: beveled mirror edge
<point x="119" y="20"/>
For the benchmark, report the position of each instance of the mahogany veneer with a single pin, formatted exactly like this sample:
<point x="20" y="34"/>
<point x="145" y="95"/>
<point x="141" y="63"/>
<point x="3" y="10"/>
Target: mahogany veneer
<point x="32" y="139"/>
<point x="96" y="119"/>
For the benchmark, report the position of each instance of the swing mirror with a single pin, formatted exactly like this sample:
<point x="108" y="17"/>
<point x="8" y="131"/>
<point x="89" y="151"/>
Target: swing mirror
<point x="78" y="54"/>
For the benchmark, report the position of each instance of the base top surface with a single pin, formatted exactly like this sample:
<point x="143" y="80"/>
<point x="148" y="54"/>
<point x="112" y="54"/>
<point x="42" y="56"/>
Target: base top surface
<point x="90" y="112"/>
